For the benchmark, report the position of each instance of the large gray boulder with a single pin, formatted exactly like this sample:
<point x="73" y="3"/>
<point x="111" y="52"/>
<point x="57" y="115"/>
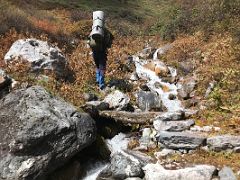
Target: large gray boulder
<point x="39" y="54"/>
<point x="39" y="133"/>
<point x="199" y="172"/>
<point x="181" y="140"/>
<point x="149" y="101"/>
<point x="225" y="142"/>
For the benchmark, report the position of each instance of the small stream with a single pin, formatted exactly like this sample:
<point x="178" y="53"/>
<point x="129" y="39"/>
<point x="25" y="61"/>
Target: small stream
<point x="120" y="142"/>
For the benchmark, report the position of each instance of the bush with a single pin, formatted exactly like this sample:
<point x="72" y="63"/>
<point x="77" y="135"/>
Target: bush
<point x="188" y="16"/>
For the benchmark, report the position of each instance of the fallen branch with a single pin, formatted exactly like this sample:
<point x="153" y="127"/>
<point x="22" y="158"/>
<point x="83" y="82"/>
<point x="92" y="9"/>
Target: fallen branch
<point x="130" y="117"/>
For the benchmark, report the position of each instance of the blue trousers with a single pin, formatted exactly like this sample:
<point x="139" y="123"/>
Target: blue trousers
<point x="100" y="59"/>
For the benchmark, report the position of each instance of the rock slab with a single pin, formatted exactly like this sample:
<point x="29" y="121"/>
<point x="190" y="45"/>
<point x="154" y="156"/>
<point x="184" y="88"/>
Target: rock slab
<point x="225" y="142"/>
<point x="199" y="172"/>
<point x="174" y="126"/>
<point x="181" y="140"/>
<point x="39" y="133"/>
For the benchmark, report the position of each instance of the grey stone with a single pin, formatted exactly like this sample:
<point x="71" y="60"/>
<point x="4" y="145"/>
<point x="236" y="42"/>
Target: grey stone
<point x="149" y="101"/>
<point x="148" y="138"/>
<point x="164" y="153"/>
<point x="39" y="133"/>
<point x="210" y="88"/>
<point x="134" y="76"/>
<point x="40" y="54"/>
<point x="173" y="125"/>
<point x="134" y="178"/>
<point x="117" y="100"/>
<point x="124" y="165"/>
<point x="186" y="87"/>
<point x="199" y="172"/>
<point x="171" y="116"/>
<point x="181" y="140"/>
<point x="226" y="173"/>
<point x="159" y="52"/>
<point x="225" y="142"/>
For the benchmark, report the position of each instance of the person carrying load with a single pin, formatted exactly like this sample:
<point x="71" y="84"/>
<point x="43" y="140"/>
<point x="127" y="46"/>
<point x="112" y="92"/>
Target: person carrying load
<point x="100" y="39"/>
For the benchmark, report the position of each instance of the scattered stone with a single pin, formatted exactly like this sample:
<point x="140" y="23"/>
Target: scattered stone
<point x="134" y="77"/>
<point x="159" y="52"/>
<point x="39" y="54"/>
<point x="210" y="88"/>
<point x="90" y="97"/>
<point x="225" y="142"/>
<point x="174" y="126"/>
<point x="117" y="100"/>
<point x="164" y="153"/>
<point x="172" y="96"/>
<point x="149" y="101"/>
<point x="186" y="67"/>
<point x="171" y="116"/>
<point x="144" y="87"/>
<point x="199" y="172"/>
<point x="204" y="128"/>
<point x="190" y="112"/>
<point x="147" y="53"/>
<point x="226" y="174"/>
<point x="124" y="165"/>
<point x="186" y="87"/>
<point x="39" y="133"/>
<point x="181" y="140"/>
<point x="148" y="138"/>
<point x="193" y="102"/>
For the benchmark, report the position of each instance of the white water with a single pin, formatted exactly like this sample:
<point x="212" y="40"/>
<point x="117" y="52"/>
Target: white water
<point x="95" y="170"/>
<point x="152" y="78"/>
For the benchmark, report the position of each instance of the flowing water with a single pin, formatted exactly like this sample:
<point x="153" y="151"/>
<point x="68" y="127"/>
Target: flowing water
<point x="152" y="78"/>
<point x="120" y="141"/>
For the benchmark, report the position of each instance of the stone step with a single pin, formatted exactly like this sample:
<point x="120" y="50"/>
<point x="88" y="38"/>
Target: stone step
<point x="174" y="126"/>
<point x="181" y="140"/>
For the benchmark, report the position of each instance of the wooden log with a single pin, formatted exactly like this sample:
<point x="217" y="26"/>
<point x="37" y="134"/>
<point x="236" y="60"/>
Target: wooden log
<point x="125" y="117"/>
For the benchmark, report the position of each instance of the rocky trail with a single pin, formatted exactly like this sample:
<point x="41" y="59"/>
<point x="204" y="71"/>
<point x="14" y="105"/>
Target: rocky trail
<point x="138" y="132"/>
